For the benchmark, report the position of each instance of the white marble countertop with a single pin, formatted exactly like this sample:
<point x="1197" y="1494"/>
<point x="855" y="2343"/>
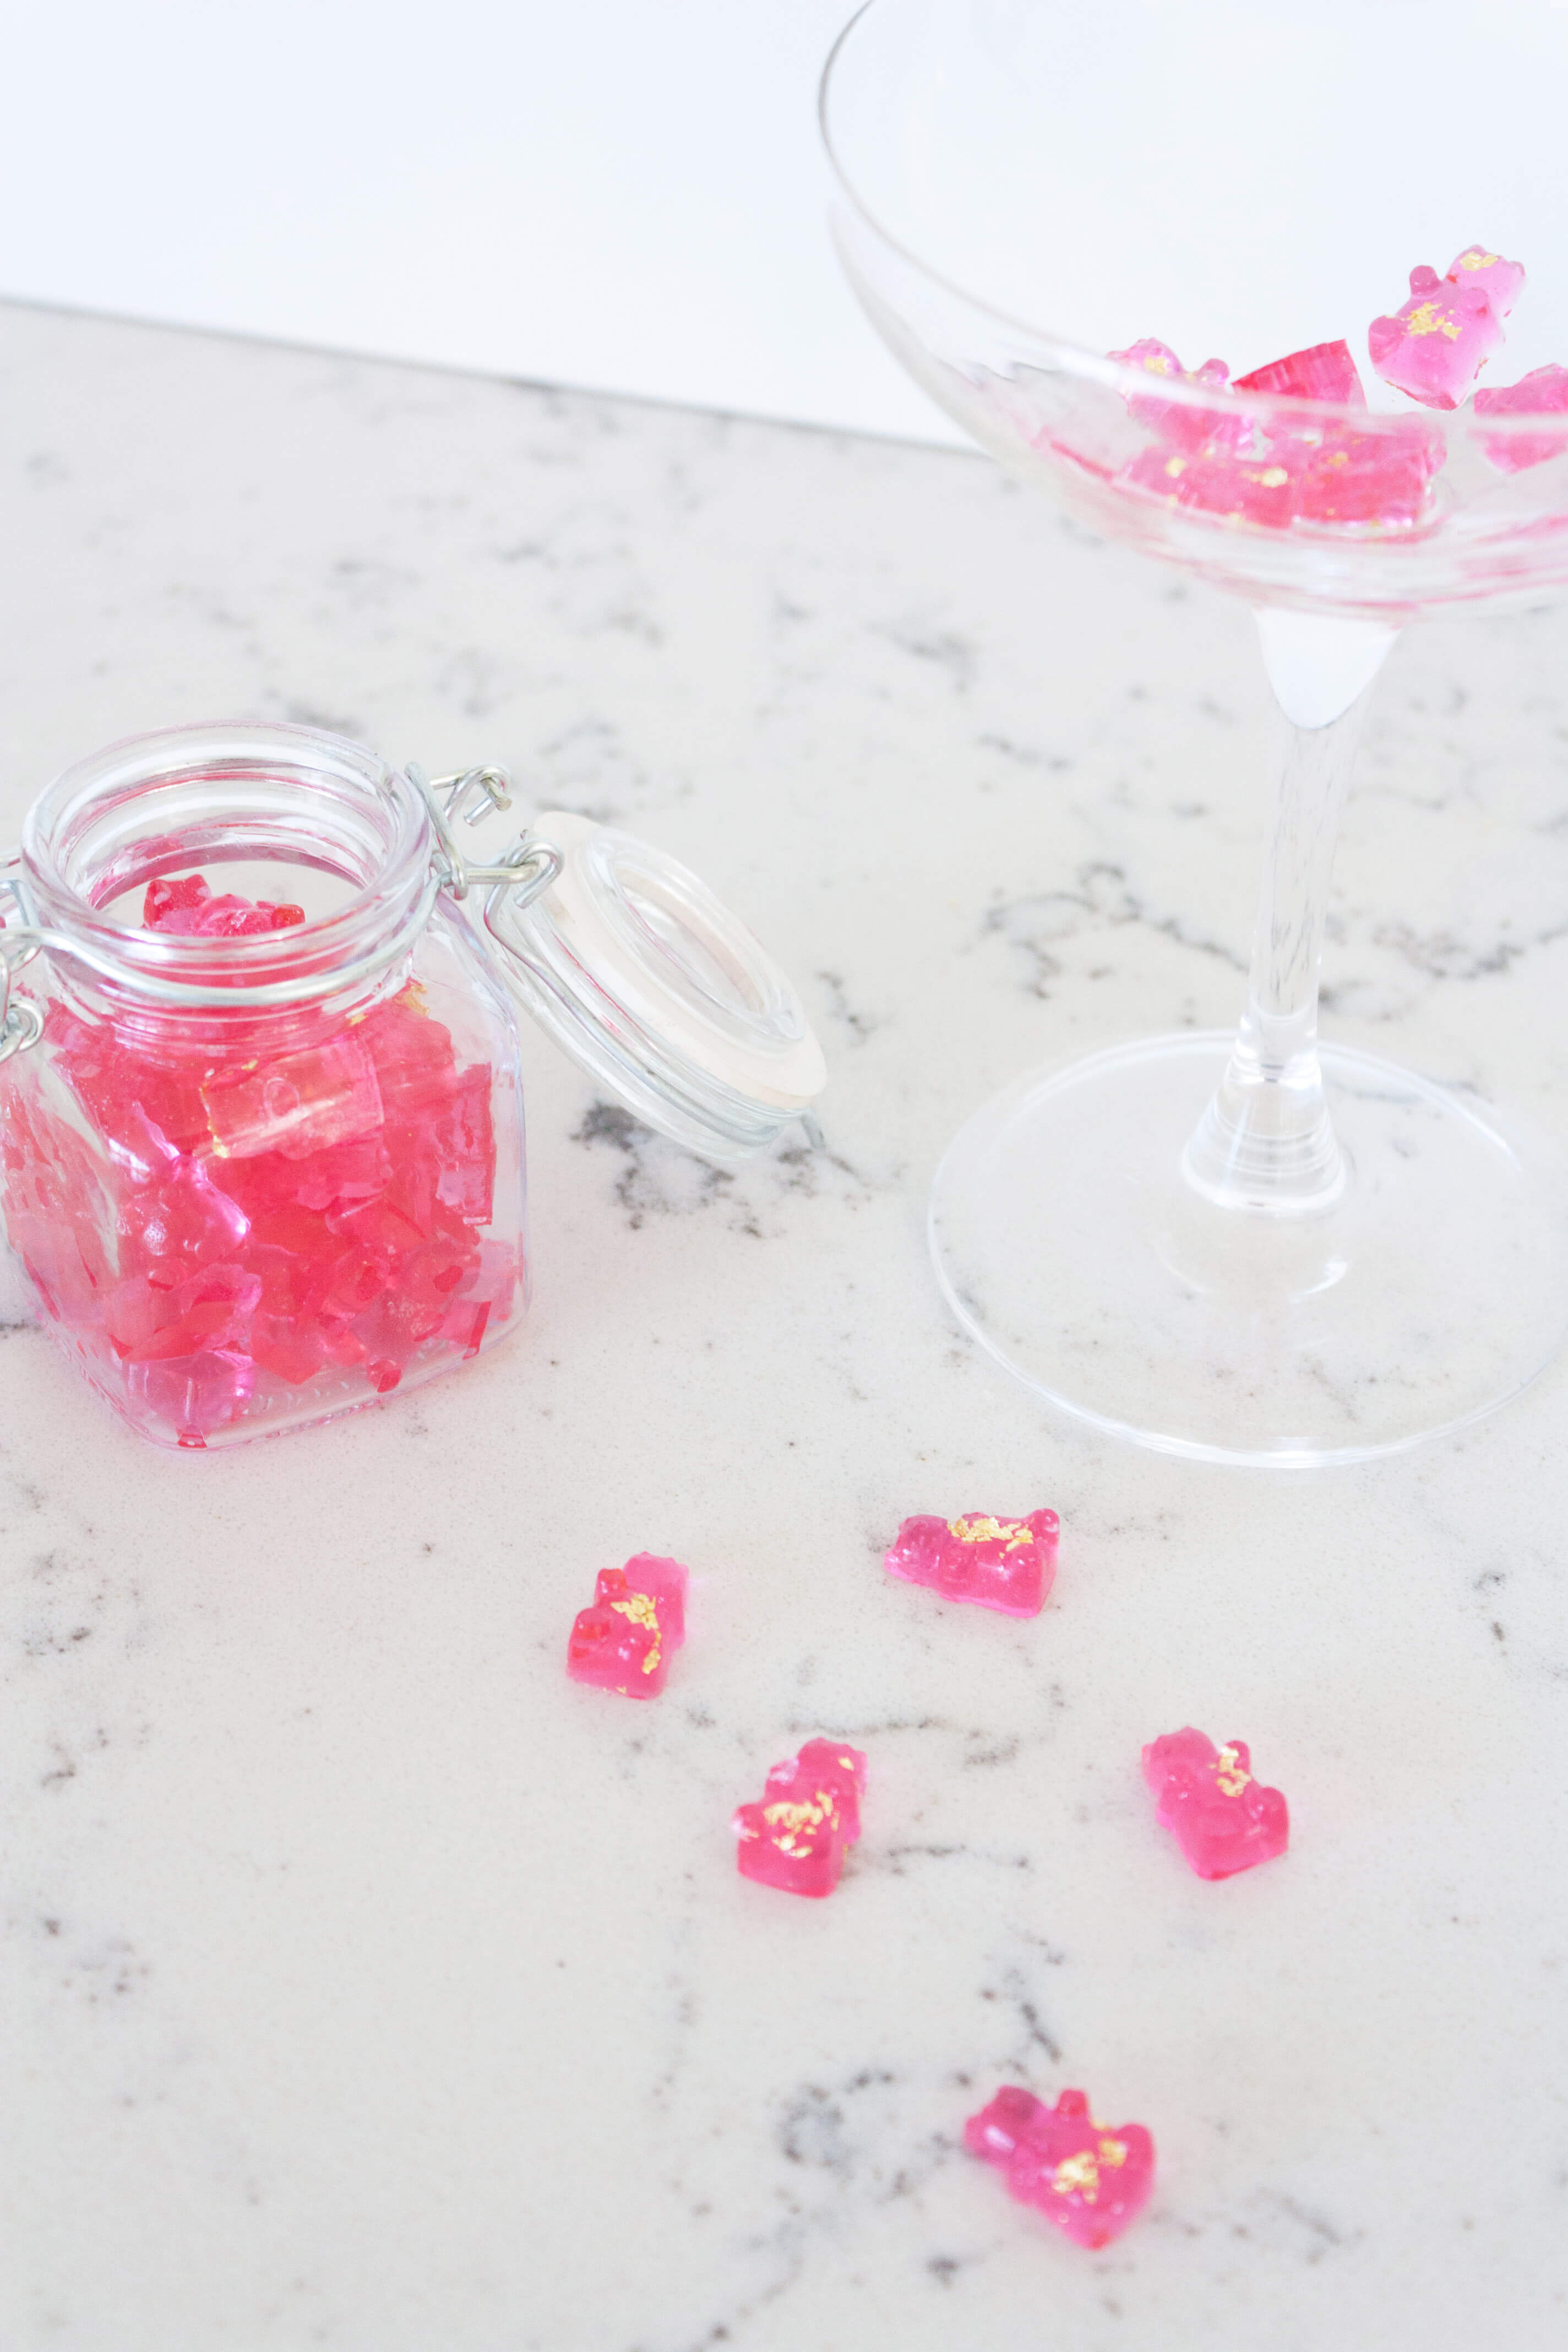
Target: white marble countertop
<point x="364" y="1983"/>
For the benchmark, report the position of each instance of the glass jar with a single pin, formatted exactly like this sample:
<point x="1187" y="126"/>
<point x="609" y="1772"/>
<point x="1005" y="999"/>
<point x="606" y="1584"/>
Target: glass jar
<point x="263" y="1151"/>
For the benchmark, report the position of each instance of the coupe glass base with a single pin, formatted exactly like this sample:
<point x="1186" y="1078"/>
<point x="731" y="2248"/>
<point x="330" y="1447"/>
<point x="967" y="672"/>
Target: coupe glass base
<point x="1070" y="1247"/>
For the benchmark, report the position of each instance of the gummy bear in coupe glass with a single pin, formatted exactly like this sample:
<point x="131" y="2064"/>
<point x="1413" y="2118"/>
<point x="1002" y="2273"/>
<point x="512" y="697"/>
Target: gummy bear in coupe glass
<point x="1327" y="371"/>
<point x="1435" y="344"/>
<point x="1542" y="393"/>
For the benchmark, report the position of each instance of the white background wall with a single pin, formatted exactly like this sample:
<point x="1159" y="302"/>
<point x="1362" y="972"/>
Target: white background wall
<point x="621" y="193"/>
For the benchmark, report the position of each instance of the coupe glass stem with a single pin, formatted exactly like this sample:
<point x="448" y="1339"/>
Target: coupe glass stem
<point x="1266" y="1141"/>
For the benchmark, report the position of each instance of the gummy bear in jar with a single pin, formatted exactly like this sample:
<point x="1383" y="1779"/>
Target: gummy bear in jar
<point x="261" y="1137"/>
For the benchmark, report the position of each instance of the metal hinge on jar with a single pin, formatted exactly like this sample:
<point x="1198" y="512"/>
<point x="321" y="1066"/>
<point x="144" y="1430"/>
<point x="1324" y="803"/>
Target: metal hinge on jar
<point x="473" y="794"/>
<point x="21" y="1022"/>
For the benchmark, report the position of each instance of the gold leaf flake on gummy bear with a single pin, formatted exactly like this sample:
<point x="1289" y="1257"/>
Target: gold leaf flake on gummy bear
<point x="1113" y="2151"/>
<point x="1430" y="319"/>
<point x="790" y="1816"/>
<point x="642" y="1609"/>
<point x="1079" y="2172"/>
<point x="1228" y="1775"/>
<point x="788" y="1819"/>
<point x="978" y="1528"/>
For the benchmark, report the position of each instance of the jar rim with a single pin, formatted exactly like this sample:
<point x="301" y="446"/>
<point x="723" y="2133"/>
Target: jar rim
<point x="336" y="805"/>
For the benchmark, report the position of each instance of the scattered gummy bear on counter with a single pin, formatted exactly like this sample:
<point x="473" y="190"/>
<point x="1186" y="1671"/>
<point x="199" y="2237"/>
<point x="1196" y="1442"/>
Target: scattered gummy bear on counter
<point x="1222" y="1819"/>
<point x="809" y="1816"/>
<point x="1006" y="1564"/>
<point x="1091" y="2180"/>
<point x="226" y="1212"/>
<point x="624" y="1639"/>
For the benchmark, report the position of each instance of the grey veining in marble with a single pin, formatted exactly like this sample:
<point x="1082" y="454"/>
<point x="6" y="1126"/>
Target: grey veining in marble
<point x="364" y="1983"/>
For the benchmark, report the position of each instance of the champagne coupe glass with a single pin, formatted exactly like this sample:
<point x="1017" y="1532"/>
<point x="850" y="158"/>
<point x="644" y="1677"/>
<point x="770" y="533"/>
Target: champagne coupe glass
<point x="1242" y="1248"/>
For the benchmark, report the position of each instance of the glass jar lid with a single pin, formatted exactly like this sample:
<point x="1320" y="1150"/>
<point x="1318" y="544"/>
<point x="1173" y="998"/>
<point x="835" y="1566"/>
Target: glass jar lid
<point x="655" y="988"/>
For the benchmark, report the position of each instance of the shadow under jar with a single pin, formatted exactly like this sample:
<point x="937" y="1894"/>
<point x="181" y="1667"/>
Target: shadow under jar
<point x="257" y="1180"/>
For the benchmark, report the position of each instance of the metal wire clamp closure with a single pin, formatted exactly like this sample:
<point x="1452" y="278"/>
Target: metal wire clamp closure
<point x="493" y="786"/>
<point x="21" y="1023"/>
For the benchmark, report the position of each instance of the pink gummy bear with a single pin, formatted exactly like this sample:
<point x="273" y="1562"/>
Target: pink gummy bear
<point x="1542" y="393"/>
<point x="810" y="1813"/>
<point x="1243" y="469"/>
<point x="187" y="908"/>
<point x="1222" y="1819"/>
<point x="1503" y="280"/>
<point x="625" y="1640"/>
<point x="1088" y="2179"/>
<point x="1006" y="1564"/>
<point x="1180" y="426"/>
<point x="1437" y="342"/>
<point x="1258" y="491"/>
<point x="1324" y="474"/>
<point x="1324" y="371"/>
<point x="1383" y="477"/>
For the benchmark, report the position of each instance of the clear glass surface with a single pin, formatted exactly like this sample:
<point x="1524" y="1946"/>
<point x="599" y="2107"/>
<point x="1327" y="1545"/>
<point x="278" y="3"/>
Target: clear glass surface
<point x="1247" y="1250"/>
<point x="256" y="1180"/>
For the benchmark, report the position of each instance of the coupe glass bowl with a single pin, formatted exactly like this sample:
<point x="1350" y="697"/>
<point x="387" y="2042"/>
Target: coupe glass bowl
<point x="1243" y="1248"/>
